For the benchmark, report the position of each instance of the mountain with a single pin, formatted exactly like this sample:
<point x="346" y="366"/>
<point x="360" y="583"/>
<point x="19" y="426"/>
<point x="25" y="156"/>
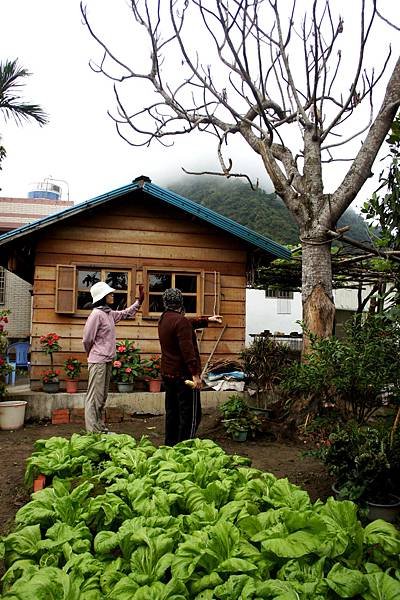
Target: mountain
<point x="261" y="211"/>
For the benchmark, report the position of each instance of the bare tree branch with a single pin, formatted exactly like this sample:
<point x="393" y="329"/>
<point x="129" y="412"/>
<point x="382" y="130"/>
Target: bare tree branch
<point x="275" y="77"/>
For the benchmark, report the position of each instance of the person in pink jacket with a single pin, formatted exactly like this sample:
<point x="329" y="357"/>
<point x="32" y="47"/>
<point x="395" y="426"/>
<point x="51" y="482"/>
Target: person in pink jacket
<point x="99" y="341"/>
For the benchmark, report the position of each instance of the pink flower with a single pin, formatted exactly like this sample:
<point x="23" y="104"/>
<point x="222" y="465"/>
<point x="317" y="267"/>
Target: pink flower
<point x="128" y="370"/>
<point x="121" y="348"/>
<point x="117" y="364"/>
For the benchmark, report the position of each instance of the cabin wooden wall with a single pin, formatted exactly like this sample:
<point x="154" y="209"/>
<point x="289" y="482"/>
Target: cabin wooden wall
<point x="136" y="232"/>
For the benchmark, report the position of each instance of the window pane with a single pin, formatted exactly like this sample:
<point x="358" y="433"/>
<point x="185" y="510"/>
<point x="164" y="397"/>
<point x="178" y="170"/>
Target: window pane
<point x="158" y="282"/>
<point x="190" y="304"/>
<point x="155" y="303"/>
<point x="119" y="301"/>
<point x="87" y="278"/>
<point x="186" y="283"/>
<point x="84" y="301"/>
<point x="117" y="280"/>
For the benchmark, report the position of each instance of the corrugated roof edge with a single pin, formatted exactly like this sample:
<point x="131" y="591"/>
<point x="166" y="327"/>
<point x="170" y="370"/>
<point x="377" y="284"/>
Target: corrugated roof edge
<point x="172" y="198"/>
<point x="220" y="221"/>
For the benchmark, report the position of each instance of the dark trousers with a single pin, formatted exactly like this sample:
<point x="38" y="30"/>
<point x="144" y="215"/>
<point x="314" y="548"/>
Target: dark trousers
<point x="182" y="411"/>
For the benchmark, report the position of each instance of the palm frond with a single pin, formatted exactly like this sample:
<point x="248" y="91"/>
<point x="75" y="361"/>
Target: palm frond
<point x="11" y="103"/>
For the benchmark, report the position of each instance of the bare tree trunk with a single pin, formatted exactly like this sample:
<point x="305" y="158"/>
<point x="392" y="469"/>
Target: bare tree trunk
<point x="317" y="297"/>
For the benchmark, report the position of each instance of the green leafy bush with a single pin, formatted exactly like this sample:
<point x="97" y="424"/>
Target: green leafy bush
<point x="353" y="372"/>
<point x="234" y="407"/>
<point x="365" y="461"/>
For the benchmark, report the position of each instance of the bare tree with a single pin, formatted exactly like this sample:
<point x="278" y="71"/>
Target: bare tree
<point x="277" y="81"/>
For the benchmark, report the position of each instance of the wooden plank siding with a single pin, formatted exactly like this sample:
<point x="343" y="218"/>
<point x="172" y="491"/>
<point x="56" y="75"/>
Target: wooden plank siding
<point x="135" y="235"/>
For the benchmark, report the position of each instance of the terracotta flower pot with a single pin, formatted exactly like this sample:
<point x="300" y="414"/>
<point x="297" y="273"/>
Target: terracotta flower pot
<point x="154" y="385"/>
<point x="71" y="386"/>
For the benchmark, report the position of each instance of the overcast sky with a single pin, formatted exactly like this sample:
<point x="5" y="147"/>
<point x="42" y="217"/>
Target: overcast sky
<point x="80" y="144"/>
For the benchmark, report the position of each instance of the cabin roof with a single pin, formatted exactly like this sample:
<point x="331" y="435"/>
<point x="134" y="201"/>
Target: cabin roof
<point x="189" y="206"/>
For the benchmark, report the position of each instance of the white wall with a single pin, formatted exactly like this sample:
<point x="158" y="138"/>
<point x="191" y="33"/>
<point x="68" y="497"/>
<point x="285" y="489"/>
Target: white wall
<point x="266" y="313"/>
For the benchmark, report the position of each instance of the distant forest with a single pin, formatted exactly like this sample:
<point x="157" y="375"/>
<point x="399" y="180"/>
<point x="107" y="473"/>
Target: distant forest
<point x="261" y="211"/>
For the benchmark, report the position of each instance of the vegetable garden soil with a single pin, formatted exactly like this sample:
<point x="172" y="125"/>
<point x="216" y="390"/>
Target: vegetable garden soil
<point x="282" y="458"/>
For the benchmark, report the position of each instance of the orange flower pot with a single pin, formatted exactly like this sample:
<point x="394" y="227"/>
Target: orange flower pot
<point x="154" y="385"/>
<point x="71" y="385"/>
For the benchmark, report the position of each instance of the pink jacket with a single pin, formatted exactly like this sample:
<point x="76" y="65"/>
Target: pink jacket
<point x="99" y="333"/>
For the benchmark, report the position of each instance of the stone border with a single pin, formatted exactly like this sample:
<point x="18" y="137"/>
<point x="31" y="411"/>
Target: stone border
<point x="40" y="405"/>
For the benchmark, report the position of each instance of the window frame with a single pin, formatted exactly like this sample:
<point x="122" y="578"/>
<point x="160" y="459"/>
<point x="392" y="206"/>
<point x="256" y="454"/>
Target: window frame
<point x="198" y="273"/>
<point x="102" y="272"/>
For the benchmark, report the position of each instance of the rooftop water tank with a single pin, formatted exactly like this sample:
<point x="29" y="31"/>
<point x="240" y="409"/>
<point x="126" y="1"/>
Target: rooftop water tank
<point x="46" y="190"/>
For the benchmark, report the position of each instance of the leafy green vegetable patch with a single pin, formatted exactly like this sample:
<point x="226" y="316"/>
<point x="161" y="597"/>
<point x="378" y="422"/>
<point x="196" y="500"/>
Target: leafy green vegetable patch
<point x="123" y="520"/>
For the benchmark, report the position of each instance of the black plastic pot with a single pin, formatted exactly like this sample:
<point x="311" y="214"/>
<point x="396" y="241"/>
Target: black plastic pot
<point x="387" y="511"/>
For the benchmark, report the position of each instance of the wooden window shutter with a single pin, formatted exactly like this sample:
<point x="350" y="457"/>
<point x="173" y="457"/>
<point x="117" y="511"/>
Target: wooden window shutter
<point x="211" y="292"/>
<point x="65" y="289"/>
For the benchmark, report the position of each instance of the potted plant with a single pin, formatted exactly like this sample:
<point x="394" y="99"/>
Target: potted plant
<point x="50" y="380"/>
<point x="237" y="428"/>
<point x="264" y="363"/>
<point x="239" y="419"/>
<point x="126" y="366"/>
<point x="365" y="463"/>
<point x="151" y="371"/>
<point x="50" y="344"/>
<point x="12" y="412"/>
<point x="72" y="368"/>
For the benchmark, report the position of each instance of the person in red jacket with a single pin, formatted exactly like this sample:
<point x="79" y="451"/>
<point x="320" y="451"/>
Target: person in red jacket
<point x="180" y="361"/>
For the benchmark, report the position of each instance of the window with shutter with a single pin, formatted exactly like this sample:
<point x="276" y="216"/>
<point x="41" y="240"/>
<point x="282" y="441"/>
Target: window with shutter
<point x="65" y="289"/>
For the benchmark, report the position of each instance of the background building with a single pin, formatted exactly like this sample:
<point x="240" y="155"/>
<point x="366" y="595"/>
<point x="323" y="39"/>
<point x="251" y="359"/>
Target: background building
<point x="15" y="293"/>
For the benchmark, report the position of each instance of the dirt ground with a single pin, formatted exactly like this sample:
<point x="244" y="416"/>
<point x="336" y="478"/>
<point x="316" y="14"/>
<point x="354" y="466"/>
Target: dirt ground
<point x="283" y="459"/>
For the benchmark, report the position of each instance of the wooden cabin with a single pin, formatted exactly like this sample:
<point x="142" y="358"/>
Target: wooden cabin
<point x="137" y="233"/>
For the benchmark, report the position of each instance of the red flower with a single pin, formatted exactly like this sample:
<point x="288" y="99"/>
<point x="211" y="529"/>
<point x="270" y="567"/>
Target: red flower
<point x="117" y="364"/>
<point x="128" y="370"/>
<point x="121" y="348"/>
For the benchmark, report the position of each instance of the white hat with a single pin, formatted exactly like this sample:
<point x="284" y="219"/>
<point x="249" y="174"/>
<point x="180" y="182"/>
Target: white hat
<point x="100" y="290"/>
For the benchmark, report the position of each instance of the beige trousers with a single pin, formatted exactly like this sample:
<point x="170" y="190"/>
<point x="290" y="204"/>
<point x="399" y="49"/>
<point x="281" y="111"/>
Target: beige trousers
<point x="96" y="396"/>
